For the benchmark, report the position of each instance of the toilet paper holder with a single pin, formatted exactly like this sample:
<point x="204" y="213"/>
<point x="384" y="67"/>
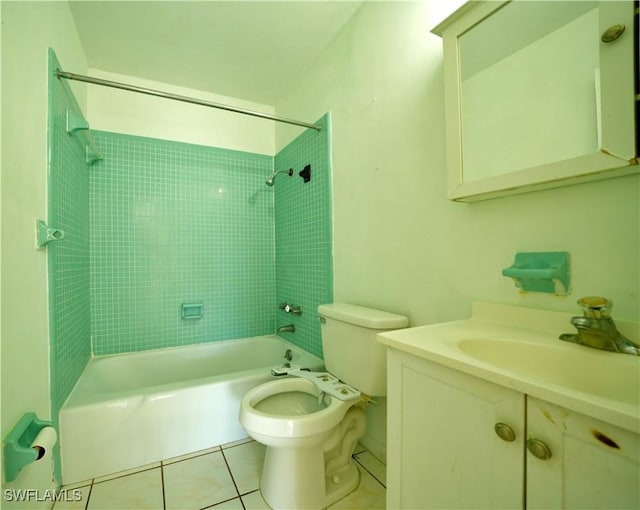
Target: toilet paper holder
<point x="18" y="452"/>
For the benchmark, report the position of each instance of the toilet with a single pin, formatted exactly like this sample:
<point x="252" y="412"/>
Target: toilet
<point x="310" y="422"/>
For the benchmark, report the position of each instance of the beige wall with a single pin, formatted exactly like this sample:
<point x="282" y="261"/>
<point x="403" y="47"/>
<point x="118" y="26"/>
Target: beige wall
<point x="399" y="244"/>
<point x="137" y="114"/>
<point x="28" y="29"/>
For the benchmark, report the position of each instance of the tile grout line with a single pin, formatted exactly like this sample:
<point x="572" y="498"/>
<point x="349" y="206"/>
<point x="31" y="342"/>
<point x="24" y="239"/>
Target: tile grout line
<point x="221" y="502"/>
<point x="164" y="497"/>
<point x="133" y="472"/>
<point x="86" y="506"/>
<point x="250" y="492"/>
<point x="193" y="455"/>
<point x="234" y="444"/>
<point x="232" y="477"/>
<point x="367" y="470"/>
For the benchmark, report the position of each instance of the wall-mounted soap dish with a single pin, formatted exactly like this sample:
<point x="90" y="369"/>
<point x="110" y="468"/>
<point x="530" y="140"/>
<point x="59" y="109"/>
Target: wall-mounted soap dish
<point x="191" y="311"/>
<point x="541" y="272"/>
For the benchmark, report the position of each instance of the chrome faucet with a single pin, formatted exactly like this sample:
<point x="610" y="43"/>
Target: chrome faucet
<point x="596" y="328"/>
<point x="289" y="328"/>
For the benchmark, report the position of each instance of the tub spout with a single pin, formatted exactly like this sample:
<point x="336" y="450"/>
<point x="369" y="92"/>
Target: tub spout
<point x="289" y="328"/>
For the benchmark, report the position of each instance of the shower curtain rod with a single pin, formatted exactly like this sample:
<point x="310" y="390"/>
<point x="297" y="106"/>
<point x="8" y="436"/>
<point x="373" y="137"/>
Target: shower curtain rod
<point x="184" y="99"/>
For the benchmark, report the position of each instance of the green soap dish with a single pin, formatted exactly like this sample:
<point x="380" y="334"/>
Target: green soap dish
<point x="541" y="272"/>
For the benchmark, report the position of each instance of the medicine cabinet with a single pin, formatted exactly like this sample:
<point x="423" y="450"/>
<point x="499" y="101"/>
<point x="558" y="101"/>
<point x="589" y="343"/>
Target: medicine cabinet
<point x="538" y="94"/>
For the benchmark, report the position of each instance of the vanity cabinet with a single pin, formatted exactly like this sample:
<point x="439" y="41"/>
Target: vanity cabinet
<point x="593" y="464"/>
<point x="442" y="451"/>
<point x="458" y="441"/>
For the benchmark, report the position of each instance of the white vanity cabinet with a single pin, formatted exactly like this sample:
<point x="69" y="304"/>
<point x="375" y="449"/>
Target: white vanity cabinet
<point x="444" y="450"/>
<point x="593" y="464"/>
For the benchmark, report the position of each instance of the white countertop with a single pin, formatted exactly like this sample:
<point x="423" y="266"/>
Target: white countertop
<point x="444" y="344"/>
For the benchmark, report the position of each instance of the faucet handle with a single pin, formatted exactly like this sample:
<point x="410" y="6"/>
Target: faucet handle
<point x="596" y="307"/>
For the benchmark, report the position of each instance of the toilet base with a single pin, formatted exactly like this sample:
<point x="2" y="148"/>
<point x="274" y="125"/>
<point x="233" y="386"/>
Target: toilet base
<point x="304" y="486"/>
<point x="301" y="487"/>
<point x="342" y="483"/>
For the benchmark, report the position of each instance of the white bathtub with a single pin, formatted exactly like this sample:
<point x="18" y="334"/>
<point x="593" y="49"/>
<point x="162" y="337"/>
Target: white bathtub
<point x="129" y="410"/>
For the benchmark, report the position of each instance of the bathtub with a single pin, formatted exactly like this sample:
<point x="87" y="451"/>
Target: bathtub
<point x="129" y="410"/>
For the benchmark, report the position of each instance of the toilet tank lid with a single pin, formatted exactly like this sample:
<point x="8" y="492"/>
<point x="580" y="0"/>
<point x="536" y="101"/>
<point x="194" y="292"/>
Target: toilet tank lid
<point x="361" y="316"/>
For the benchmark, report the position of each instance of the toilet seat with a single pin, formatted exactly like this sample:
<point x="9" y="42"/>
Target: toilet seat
<point x="290" y="426"/>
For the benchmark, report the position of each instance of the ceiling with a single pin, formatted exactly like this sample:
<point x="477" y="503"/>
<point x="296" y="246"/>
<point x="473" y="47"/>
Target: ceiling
<point x="254" y="50"/>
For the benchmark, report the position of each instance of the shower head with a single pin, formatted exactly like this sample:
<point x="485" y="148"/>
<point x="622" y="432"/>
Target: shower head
<point x="270" y="179"/>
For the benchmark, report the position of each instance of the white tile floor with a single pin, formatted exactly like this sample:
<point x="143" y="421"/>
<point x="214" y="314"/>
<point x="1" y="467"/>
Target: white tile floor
<point x="225" y="477"/>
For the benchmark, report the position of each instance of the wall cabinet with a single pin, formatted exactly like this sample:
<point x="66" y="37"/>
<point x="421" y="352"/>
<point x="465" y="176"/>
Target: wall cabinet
<point x="520" y="121"/>
<point x="457" y="441"/>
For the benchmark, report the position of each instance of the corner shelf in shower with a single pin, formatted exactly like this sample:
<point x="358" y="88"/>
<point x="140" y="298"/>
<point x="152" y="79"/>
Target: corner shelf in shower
<point x="78" y="127"/>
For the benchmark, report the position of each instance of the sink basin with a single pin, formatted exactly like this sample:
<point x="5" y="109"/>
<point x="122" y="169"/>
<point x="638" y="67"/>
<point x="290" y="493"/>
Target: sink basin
<point x="611" y="376"/>
<point x="518" y="348"/>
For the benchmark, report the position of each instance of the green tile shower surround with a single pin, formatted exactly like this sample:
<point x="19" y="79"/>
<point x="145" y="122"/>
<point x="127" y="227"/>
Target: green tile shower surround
<point x="173" y="223"/>
<point x="156" y="225"/>
<point x="68" y="260"/>
<point x="303" y="234"/>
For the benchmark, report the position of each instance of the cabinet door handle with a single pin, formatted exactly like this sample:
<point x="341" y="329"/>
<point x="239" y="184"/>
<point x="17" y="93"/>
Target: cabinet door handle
<point x="504" y="432"/>
<point x="612" y="33"/>
<point x="538" y="449"/>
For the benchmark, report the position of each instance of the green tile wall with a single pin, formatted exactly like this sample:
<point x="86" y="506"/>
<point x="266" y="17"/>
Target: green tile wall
<point x="303" y="235"/>
<point x="68" y="259"/>
<point x="173" y="223"/>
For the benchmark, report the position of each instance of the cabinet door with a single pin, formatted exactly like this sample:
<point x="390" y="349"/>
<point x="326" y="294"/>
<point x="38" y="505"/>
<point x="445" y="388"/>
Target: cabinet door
<point x="592" y="465"/>
<point x="442" y="449"/>
<point x="520" y="121"/>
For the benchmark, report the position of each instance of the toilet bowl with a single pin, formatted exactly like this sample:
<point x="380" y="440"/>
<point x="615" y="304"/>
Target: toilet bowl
<point x="290" y="412"/>
<point x="310" y="422"/>
<point x="305" y="429"/>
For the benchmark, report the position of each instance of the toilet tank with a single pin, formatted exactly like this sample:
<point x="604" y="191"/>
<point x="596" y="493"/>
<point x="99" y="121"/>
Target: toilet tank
<point x="351" y="351"/>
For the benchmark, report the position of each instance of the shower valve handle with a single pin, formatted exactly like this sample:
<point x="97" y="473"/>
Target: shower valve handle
<point x="286" y="307"/>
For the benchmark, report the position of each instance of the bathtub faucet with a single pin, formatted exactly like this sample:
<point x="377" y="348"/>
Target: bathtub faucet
<point x="289" y="328"/>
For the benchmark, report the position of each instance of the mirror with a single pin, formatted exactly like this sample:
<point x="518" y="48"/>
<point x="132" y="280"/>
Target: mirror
<point x="534" y="98"/>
